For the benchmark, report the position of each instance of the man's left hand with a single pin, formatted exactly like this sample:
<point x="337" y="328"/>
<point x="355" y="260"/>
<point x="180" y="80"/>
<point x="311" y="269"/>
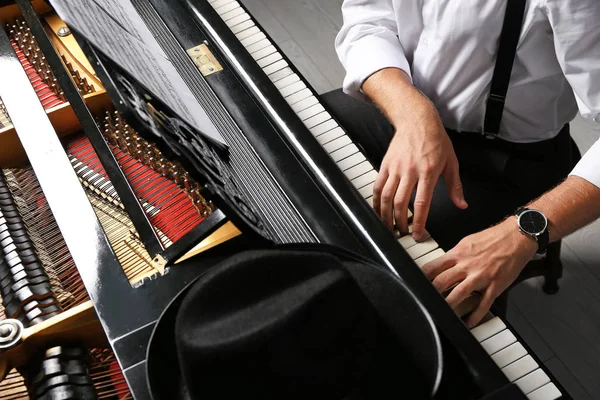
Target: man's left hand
<point x="487" y="262"/>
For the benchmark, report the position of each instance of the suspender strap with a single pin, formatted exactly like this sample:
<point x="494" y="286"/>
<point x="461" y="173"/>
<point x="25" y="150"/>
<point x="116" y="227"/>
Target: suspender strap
<point x="509" y="39"/>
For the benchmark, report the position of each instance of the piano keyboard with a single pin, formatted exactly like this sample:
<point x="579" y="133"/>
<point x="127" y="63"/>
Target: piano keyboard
<point x="499" y="342"/>
<point x="307" y="106"/>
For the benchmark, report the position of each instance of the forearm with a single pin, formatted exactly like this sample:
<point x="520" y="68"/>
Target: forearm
<point x="393" y="92"/>
<point x="569" y="207"/>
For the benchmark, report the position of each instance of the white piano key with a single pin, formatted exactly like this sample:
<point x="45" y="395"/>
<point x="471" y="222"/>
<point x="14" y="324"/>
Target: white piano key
<point x="366" y="191"/>
<point x="265" y="61"/>
<point x="407" y="242"/>
<point x="488" y="329"/>
<point x="330" y="135"/>
<point x="547" y="392"/>
<point x="317" y="119"/>
<point x="364" y="179"/>
<point x="304" y="104"/>
<point x="358" y="170"/>
<point x="277" y="66"/>
<point x="520" y="368"/>
<point x="282" y="73"/>
<point x="509" y="355"/>
<point x="422" y="248"/>
<point x="532" y="381"/>
<point x="499" y="341"/>
<point x="232" y="14"/>
<point x="323" y="127"/>
<point x="344" y="152"/>
<point x="267" y="51"/>
<point x="240" y="23"/>
<point x="286" y="81"/>
<point x="337" y="144"/>
<point x="351" y="161"/>
<point x="434" y="255"/>
<point x="261" y="44"/>
<point x="218" y="3"/>
<point x="298" y="96"/>
<point x="292" y="89"/>
<point x="310" y="112"/>
<point x="246" y="33"/>
<point x="225" y="8"/>
<point x="249" y="41"/>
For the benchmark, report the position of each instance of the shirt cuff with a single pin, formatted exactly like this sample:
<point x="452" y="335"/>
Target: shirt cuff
<point x="369" y="55"/>
<point x="589" y="166"/>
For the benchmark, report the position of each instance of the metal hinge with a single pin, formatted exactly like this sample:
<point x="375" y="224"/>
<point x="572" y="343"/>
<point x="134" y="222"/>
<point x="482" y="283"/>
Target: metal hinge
<point x="204" y="60"/>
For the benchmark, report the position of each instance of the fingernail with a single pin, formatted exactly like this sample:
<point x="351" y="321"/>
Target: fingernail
<point x="464" y="202"/>
<point x="417" y="236"/>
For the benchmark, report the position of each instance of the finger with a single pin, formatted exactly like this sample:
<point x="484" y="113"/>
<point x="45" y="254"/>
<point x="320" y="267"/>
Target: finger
<point x="468" y="305"/>
<point x="405" y="189"/>
<point x="437" y="266"/>
<point x="460" y="293"/>
<point x="387" y="200"/>
<point x="421" y="206"/>
<point x="378" y="188"/>
<point x="454" y="185"/>
<point x="484" y="306"/>
<point x="448" y="278"/>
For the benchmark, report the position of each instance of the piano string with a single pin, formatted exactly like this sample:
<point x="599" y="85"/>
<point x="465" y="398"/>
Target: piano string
<point x="40" y="280"/>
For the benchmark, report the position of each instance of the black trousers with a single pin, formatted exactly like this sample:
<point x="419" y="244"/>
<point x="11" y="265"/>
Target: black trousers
<point x="497" y="176"/>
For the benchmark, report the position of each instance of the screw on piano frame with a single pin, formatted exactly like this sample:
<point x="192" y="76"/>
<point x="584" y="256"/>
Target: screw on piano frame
<point x="63" y="31"/>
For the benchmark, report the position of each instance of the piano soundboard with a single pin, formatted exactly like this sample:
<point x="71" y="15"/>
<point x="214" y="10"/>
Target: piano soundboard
<point x="319" y="188"/>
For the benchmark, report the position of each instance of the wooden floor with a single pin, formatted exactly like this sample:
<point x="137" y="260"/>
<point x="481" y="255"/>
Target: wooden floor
<point x="564" y="329"/>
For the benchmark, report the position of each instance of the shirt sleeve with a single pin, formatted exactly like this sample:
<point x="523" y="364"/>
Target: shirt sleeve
<point x="576" y="28"/>
<point x="368" y="42"/>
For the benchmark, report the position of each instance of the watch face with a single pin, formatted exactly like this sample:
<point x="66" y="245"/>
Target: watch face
<point x="533" y="222"/>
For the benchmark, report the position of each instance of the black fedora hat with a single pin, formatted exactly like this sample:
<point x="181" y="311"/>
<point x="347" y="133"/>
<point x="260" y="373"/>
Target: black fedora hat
<point x="295" y="322"/>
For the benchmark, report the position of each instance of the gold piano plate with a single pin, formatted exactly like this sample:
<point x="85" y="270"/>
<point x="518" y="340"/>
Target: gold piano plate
<point x="204" y="60"/>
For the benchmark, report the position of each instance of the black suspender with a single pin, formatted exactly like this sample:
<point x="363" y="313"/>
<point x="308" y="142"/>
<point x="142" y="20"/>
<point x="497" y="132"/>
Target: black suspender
<point x="509" y="39"/>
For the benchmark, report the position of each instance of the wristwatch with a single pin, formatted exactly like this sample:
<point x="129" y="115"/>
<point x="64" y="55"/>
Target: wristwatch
<point x="535" y="224"/>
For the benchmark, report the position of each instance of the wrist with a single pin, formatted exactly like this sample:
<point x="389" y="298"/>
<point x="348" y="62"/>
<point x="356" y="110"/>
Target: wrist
<point x="520" y="240"/>
<point x="417" y="111"/>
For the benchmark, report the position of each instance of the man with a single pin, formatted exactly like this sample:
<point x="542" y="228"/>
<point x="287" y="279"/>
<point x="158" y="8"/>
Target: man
<point x="427" y="65"/>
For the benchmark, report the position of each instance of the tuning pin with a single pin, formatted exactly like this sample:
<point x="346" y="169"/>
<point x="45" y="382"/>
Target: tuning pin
<point x="108" y="122"/>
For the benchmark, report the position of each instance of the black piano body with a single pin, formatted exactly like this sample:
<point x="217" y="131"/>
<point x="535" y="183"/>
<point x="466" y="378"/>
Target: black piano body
<point x="286" y="187"/>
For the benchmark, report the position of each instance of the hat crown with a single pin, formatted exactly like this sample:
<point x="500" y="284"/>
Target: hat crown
<point x="297" y="328"/>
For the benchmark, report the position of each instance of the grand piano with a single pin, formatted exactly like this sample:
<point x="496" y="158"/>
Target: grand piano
<point x="111" y="200"/>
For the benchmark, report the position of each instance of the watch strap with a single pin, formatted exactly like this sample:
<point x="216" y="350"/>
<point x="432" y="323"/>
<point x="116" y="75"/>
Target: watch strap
<point x="543" y="240"/>
<point x="521" y="211"/>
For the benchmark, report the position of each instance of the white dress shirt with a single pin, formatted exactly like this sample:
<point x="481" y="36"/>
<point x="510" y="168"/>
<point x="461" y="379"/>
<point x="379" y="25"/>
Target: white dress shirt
<point x="448" y="48"/>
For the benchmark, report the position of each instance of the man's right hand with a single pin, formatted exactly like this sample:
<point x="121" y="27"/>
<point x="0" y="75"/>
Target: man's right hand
<point x="418" y="155"/>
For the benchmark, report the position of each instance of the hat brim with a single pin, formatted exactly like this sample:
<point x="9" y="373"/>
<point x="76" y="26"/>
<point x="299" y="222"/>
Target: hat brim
<point x="404" y="314"/>
<point x="162" y="351"/>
